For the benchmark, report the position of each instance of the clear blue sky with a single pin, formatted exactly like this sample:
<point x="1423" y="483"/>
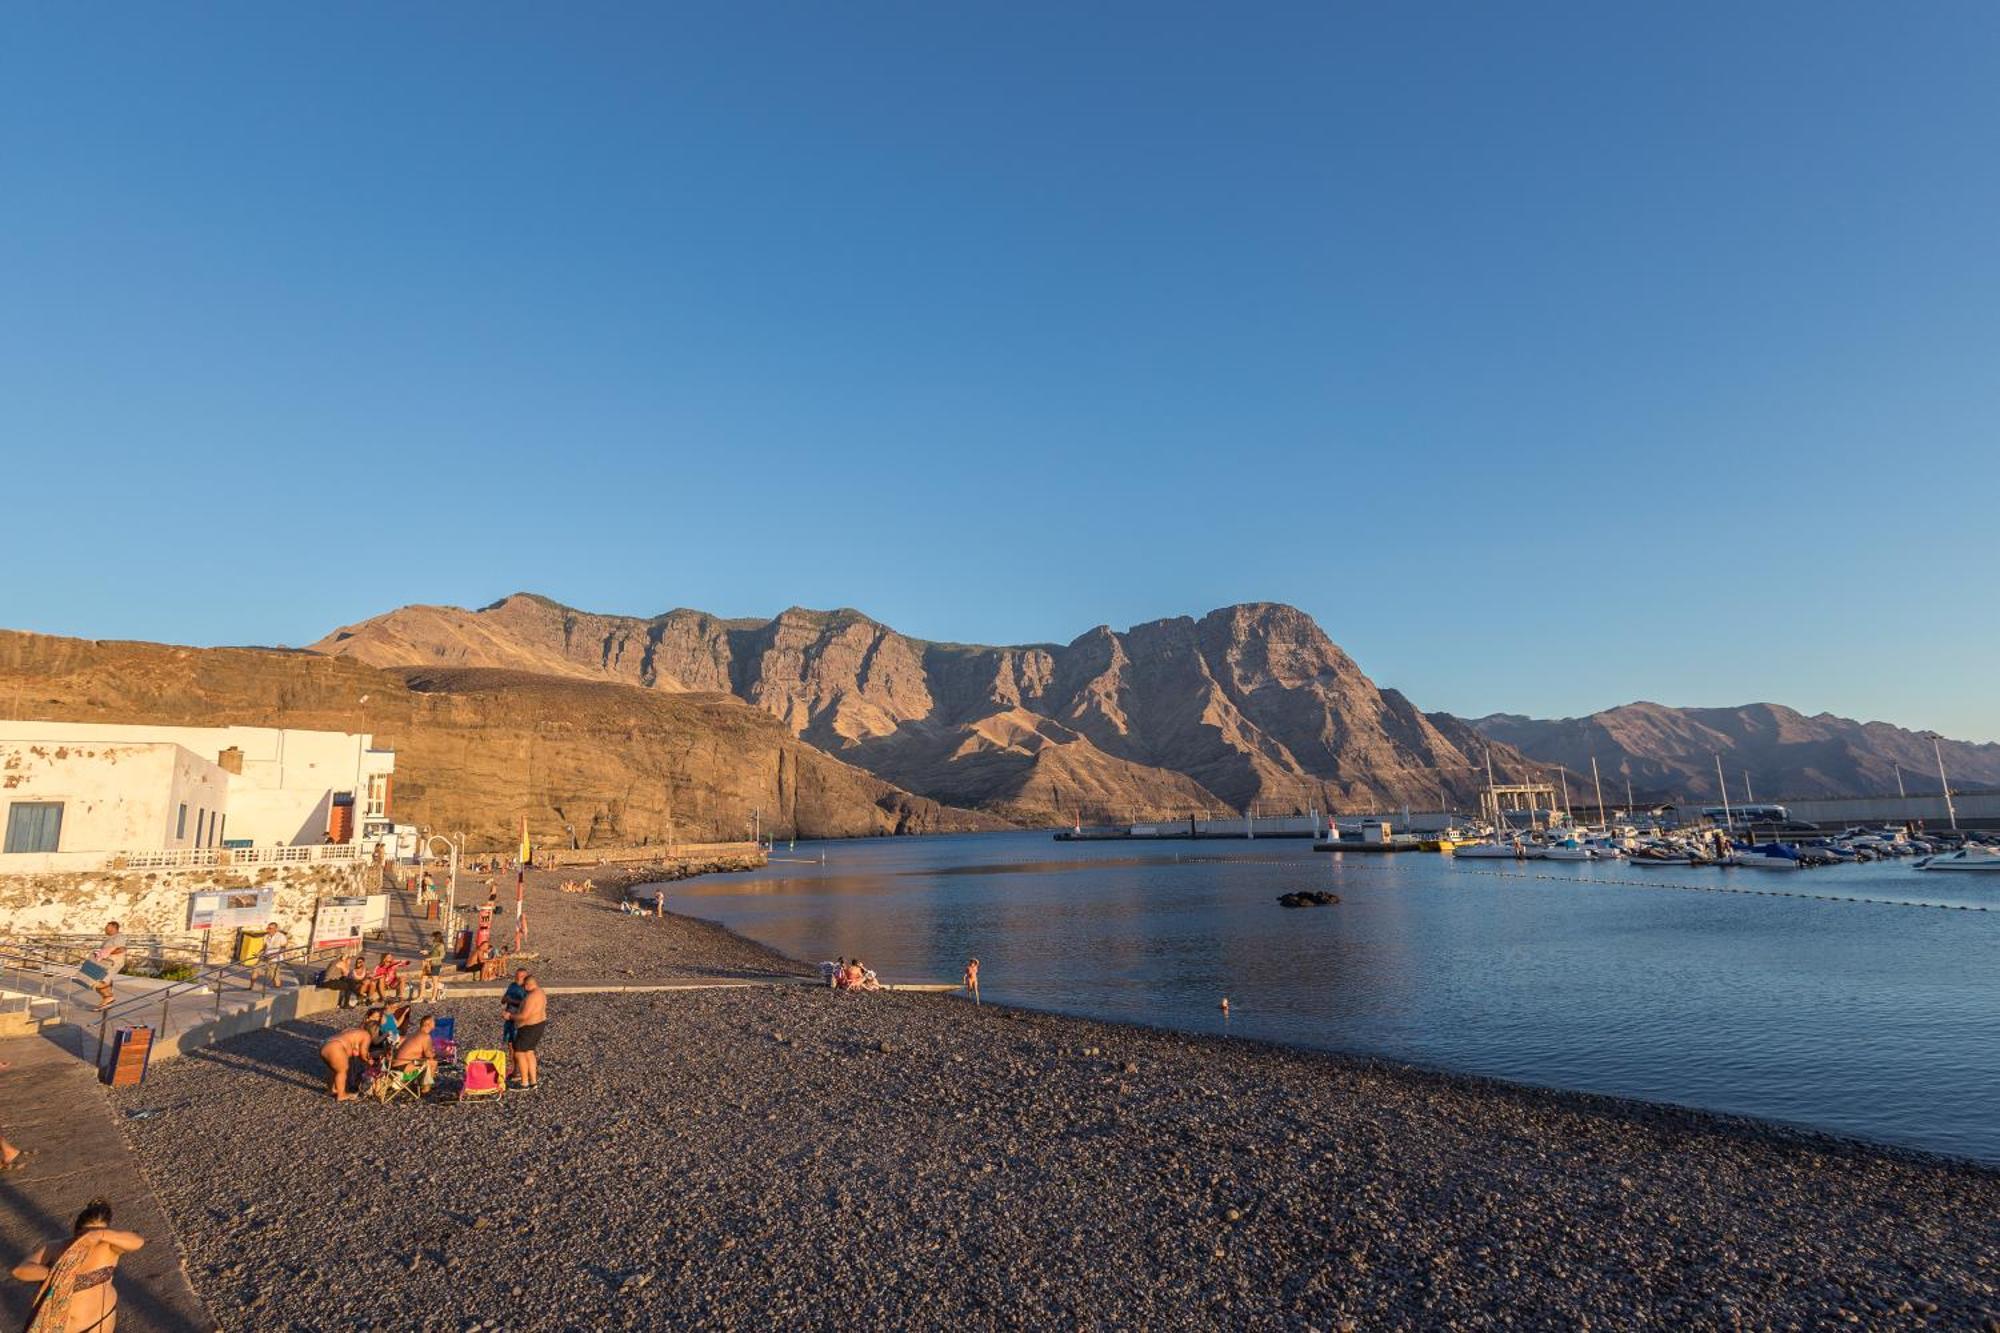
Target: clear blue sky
<point x="1552" y="356"/>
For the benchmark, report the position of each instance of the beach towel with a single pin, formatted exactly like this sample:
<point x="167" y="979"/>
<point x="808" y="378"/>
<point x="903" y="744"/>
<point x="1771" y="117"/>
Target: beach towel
<point x="50" y="1312"/>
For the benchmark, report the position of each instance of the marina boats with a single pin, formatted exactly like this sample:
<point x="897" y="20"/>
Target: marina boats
<point x="1973" y="856"/>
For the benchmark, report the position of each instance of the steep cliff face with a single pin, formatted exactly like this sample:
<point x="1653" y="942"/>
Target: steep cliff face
<point x="479" y="747"/>
<point x="1671" y="752"/>
<point x="1248" y="705"/>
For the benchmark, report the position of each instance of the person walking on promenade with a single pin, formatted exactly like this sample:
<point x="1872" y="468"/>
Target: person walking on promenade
<point x="106" y="961"/>
<point x="529" y="1021"/>
<point x="343" y="1050"/>
<point x="77" y="1295"/>
<point x="972" y="978"/>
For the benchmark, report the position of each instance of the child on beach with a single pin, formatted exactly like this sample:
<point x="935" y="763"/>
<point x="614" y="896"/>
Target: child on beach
<point x="972" y="978"/>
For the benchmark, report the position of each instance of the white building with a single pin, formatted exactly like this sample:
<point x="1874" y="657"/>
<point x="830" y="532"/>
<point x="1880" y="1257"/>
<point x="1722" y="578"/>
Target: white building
<point x="107" y="788"/>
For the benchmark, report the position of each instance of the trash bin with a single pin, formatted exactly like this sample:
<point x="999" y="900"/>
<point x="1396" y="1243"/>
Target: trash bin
<point x="249" y="947"/>
<point x="131" y="1052"/>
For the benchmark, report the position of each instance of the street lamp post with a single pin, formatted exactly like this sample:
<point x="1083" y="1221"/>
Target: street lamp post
<point x="451" y="852"/>
<point x="1937" y="749"/>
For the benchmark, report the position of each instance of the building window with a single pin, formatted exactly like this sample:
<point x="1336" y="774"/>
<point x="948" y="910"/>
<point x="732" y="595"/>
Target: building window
<point x="181" y="823"/>
<point x="34" y="826"/>
<point x="200" y="825"/>
<point x="378" y="796"/>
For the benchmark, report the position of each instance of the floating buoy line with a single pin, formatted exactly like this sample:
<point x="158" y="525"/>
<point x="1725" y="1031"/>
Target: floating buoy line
<point x="1701" y="888"/>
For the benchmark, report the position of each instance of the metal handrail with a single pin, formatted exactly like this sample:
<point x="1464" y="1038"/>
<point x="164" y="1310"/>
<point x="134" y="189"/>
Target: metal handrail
<point x="215" y="977"/>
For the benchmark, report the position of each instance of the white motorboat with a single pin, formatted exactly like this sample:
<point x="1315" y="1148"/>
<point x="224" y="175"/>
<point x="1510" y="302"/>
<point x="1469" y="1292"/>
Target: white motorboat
<point x="1974" y="857"/>
<point x="1497" y="849"/>
<point x="1770" y="856"/>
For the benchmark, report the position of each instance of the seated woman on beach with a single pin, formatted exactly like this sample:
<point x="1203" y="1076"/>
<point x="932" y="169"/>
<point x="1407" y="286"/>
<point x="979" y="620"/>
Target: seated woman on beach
<point x="76" y="1291"/>
<point x="868" y="979"/>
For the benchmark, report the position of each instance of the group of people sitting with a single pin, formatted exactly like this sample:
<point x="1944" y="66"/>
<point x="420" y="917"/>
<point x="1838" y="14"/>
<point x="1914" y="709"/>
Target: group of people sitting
<point x="849" y="974"/>
<point x="358" y="983"/>
<point x="384" y="1035"/>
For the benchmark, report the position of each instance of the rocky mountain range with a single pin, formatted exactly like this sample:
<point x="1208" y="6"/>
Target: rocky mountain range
<point x="1250" y="705"/>
<point x="478" y="748"/>
<point x="1768" y="751"/>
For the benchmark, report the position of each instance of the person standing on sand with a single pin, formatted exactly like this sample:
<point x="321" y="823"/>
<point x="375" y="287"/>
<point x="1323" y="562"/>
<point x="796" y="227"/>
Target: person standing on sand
<point x="77" y="1295"/>
<point x="529" y="1020"/>
<point x="344" y="1049"/>
<point x="972" y="978"/>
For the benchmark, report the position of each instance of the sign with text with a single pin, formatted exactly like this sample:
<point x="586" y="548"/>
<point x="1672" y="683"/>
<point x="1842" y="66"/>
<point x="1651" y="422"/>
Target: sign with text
<point x="338" y="922"/>
<point x="229" y="909"/>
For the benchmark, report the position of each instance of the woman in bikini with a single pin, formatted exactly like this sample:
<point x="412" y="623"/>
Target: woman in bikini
<point x="76" y="1295"/>
<point x="345" y="1049"/>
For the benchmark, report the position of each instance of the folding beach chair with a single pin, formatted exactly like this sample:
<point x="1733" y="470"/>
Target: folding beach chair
<point x="485" y="1075"/>
<point x="444" y="1039"/>
<point x="394" y="1085"/>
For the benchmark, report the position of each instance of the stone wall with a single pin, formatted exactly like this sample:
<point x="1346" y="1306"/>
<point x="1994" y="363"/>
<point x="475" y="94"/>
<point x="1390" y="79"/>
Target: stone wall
<point x="735" y="855"/>
<point x="155" y="902"/>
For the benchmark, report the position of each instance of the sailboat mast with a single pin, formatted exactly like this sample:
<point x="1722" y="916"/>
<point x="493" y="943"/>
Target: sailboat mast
<point x="1723" y="782"/>
<point x="1596" y="782"/>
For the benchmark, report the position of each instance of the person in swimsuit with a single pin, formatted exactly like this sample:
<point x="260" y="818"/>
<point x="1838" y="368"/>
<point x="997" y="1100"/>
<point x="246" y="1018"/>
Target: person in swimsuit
<point x="529" y="1020"/>
<point x="972" y="978"/>
<point x="345" y="1049"/>
<point x="76" y="1294"/>
<point x="416" y="1049"/>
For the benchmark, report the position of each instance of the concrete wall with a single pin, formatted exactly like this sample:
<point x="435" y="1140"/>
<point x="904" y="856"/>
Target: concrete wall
<point x="115" y="797"/>
<point x="288" y="777"/>
<point x="1980" y="809"/>
<point x="156" y="902"/>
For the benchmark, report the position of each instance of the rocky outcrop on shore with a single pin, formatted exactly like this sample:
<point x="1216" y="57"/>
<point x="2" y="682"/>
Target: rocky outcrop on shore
<point x="787" y="1155"/>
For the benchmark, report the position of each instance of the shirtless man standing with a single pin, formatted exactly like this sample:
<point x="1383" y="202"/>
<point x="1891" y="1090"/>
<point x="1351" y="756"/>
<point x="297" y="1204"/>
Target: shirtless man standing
<point x="342" y="1050"/>
<point x="529" y="1020"/>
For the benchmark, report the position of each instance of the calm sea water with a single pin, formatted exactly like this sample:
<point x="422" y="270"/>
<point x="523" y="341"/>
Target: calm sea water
<point x="1880" y="1020"/>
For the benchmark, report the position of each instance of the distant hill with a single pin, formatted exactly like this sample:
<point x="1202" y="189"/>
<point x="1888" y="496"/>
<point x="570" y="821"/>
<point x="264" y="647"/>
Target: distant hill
<point x="1671" y="752"/>
<point x="478" y="748"/>
<point x="1249" y="704"/>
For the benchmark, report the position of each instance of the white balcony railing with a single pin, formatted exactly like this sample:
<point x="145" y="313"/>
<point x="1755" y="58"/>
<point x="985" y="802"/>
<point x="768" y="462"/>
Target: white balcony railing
<point x="235" y="856"/>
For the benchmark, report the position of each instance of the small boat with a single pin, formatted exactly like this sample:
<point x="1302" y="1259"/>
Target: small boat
<point x="1495" y="850"/>
<point x="1770" y="856"/>
<point x="1974" y="856"/>
<point x="1659" y="856"/>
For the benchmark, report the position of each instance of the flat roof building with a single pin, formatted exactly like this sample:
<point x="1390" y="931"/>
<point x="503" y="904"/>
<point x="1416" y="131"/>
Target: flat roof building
<point x="90" y="787"/>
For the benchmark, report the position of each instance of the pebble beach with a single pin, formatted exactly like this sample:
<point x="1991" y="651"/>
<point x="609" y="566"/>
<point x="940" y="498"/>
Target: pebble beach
<point x="732" y="1158"/>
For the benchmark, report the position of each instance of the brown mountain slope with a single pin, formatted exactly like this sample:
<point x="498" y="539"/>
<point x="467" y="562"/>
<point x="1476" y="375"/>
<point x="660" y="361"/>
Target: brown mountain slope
<point x="1249" y="705"/>
<point x="477" y="748"/>
<point x="1671" y="752"/>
